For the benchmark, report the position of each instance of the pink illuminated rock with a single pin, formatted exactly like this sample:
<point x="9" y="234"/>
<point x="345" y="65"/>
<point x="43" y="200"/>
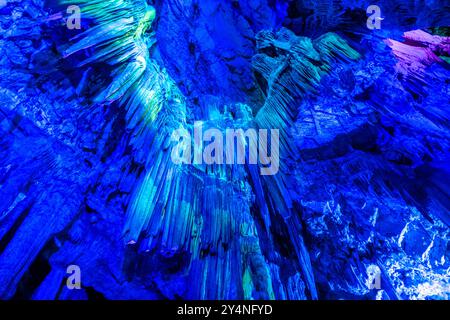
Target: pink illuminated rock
<point x="419" y="51"/>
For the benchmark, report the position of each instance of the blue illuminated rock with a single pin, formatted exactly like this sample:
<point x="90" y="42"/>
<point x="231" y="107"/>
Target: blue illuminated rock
<point x="86" y="176"/>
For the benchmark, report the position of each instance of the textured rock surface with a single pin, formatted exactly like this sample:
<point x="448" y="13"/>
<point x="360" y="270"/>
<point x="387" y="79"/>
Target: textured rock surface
<point x="365" y="155"/>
